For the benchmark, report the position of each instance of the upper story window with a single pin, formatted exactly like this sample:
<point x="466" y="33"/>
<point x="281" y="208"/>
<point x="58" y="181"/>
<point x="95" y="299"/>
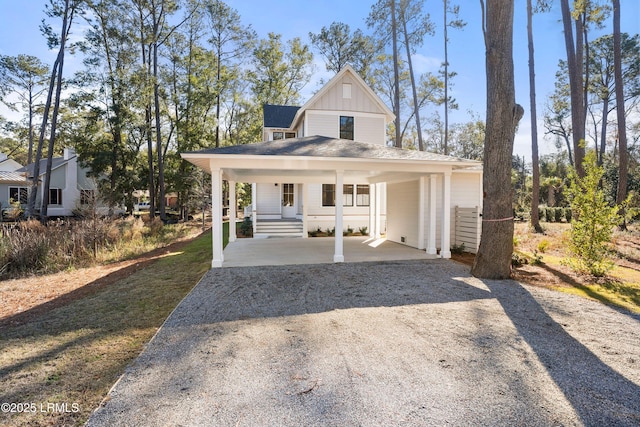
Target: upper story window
<point x="283" y="135"/>
<point x="346" y="127"/>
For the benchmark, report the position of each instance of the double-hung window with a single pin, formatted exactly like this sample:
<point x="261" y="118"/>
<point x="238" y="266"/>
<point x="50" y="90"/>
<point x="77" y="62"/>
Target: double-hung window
<point x="19" y="194"/>
<point x="329" y="195"/>
<point x="362" y="195"/>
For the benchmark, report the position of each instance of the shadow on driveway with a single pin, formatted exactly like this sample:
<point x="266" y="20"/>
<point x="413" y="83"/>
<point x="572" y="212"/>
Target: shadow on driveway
<point x="393" y="343"/>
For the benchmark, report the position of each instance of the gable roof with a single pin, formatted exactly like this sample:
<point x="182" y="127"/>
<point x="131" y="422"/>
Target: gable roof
<point x="279" y="116"/>
<point x="9" y="165"/>
<point x="56" y="162"/>
<point x="348" y="69"/>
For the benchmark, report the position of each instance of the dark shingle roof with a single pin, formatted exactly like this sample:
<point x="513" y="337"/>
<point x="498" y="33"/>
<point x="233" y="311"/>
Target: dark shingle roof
<point x="322" y="146"/>
<point x="55" y="163"/>
<point x="279" y="116"/>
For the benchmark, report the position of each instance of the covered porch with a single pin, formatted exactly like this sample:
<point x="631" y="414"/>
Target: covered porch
<point x="322" y="160"/>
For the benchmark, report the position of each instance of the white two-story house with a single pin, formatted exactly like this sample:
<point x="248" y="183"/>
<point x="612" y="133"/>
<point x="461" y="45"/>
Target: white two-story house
<point x="327" y="165"/>
<point x="345" y="108"/>
<point x="71" y="188"/>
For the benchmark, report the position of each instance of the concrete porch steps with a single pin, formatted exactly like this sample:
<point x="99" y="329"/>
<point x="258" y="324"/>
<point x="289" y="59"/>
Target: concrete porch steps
<point x="278" y="228"/>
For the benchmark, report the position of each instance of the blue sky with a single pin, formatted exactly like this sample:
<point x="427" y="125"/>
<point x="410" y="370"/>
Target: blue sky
<point x="19" y="33"/>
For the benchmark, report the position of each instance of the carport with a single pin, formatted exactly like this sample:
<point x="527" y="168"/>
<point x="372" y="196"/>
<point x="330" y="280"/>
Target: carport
<point x="318" y="159"/>
<point x="320" y="250"/>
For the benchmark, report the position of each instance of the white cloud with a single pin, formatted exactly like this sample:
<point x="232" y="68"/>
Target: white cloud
<point x="423" y="64"/>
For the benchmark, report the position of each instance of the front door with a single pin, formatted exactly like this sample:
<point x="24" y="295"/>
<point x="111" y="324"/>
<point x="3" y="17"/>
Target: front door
<point x="288" y="201"/>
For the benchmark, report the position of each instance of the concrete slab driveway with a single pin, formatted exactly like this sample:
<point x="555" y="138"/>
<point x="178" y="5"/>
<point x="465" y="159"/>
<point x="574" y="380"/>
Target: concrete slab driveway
<point x="403" y="343"/>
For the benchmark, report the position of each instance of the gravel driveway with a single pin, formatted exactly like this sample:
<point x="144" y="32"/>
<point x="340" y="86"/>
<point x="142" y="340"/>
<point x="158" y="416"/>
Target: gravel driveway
<point x="411" y="343"/>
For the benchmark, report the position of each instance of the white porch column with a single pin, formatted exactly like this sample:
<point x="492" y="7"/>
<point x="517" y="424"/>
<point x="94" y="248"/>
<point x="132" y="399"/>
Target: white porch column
<point x="216" y="214"/>
<point x="305" y="210"/>
<point x="372" y="210"/>
<point x="421" y="212"/>
<point x="445" y="250"/>
<point x="378" y="209"/>
<point x="232" y="211"/>
<point x="254" y="207"/>
<point x="431" y="240"/>
<point x="338" y="256"/>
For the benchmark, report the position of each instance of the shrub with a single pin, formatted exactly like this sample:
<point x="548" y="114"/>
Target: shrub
<point x="457" y="249"/>
<point x="550" y="215"/>
<point x="568" y="214"/>
<point x="364" y="231"/>
<point x="518" y="260"/>
<point x="24" y="251"/>
<point x="543" y="245"/>
<point x="541" y="214"/>
<point x="331" y="231"/>
<point x="349" y="230"/>
<point x="558" y="213"/>
<point x="246" y="228"/>
<point x="30" y="247"/>
<point x="592" y="227"/>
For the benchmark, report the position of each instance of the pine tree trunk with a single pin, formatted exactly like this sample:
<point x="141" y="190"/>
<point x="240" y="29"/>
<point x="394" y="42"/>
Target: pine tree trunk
<point x="493" y="260"/>
<point x="575" y="66"/>
<point x="445" y="145"/>
<point x="416" y="108"/>
<point x="396" y="74"/>
<point x="621" y="194"/>
<point x="535" y="162"/>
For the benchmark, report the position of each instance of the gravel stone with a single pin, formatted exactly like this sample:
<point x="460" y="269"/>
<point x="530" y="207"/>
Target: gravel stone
<point x="404" y="343"/>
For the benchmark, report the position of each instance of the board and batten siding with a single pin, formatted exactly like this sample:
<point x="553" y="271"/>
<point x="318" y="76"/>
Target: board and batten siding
<point x="334" y="98"/>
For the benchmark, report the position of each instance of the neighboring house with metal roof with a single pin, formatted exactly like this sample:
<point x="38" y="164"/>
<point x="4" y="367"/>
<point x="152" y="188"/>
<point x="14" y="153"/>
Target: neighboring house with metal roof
<point x="13" y="185"/>
<point x="334" y="148"/>
<point x="70" y="185"/>
<point x="7" y="164"/>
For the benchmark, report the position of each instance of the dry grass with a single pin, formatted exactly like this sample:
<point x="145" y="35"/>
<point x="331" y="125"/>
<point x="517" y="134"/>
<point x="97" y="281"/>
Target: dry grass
<point x="72" y="349"/>
<point x="30" y="248"/>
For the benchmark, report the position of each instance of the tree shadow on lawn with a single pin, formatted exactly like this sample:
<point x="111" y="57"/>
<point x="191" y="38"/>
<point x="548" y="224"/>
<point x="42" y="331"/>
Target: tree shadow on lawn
<point x="74" y="347"/>
<point x="598" y="393"/>
<point x="611" y="284"/>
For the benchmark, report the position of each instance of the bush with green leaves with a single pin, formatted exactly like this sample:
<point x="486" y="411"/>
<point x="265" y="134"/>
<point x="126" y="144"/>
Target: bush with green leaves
<point x="558" y="214"/>
<point x="550" y="214"/>
<point x="593" y="221"/>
